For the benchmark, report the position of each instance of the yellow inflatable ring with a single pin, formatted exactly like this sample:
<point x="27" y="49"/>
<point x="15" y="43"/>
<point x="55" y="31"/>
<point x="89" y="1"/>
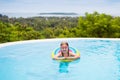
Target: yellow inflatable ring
<point x="56" y="51"/>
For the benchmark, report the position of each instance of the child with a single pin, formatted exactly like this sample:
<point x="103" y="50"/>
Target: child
<point x="65" y="53"/>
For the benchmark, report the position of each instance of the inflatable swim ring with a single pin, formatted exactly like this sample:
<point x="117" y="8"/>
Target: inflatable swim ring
<point x="56" y="51"/>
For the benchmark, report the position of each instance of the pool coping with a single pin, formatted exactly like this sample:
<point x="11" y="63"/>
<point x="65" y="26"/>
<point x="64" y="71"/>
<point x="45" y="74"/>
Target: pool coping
<point x="52" y="39"/>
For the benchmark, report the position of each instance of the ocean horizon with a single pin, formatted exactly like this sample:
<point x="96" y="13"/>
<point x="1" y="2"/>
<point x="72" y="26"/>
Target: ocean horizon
<point x="27" y="15"/>
<point x="56" y="14"/>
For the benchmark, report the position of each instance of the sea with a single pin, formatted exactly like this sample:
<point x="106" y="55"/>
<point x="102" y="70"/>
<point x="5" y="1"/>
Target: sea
<point x="27" y="15"/>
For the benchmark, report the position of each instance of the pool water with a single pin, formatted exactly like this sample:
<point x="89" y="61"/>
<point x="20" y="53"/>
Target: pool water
<point x="100" y="60"/>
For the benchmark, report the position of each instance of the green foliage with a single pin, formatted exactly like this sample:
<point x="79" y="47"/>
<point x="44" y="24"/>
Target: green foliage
<point x="99" y="25"/>
<point x="9" y="32"/>
<point x="90" y="25"/>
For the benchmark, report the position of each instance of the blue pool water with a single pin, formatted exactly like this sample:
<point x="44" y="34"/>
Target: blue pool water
<point x="100" y="60"/>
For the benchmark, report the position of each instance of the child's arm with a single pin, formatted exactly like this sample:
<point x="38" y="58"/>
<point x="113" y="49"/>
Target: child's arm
<point x="74" y="56"/>
<point x="56" y="57"/>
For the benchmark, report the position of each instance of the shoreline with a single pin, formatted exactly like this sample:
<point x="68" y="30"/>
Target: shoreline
<point x="53" y="39"/>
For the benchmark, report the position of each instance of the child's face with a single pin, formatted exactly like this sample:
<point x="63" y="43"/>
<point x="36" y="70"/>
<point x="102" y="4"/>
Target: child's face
<point x="64" y="48"/>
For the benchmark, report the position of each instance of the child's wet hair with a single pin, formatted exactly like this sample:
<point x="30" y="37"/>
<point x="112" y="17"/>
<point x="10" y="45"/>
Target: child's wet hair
<point x="64" y="42"/>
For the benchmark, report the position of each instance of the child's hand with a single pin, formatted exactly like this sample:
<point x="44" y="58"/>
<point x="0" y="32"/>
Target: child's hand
<point x="66" y="58"/>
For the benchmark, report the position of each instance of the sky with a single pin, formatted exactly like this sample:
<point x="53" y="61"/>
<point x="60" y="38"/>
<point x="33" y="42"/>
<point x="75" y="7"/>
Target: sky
<point x="76" y="6"/>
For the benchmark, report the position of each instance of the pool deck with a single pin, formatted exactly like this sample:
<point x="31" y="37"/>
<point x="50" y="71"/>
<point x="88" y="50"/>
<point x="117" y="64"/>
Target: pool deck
<point x="54" y="39"/>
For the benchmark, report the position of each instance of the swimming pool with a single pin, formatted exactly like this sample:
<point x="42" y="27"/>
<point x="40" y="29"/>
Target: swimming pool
<point x="31" y="60"/>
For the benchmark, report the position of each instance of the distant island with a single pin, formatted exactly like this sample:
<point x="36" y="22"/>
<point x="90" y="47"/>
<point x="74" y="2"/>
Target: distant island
<point x="58" y="13"/>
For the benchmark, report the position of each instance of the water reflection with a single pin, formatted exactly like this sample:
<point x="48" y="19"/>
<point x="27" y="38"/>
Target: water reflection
<point x="63" y="67"/>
